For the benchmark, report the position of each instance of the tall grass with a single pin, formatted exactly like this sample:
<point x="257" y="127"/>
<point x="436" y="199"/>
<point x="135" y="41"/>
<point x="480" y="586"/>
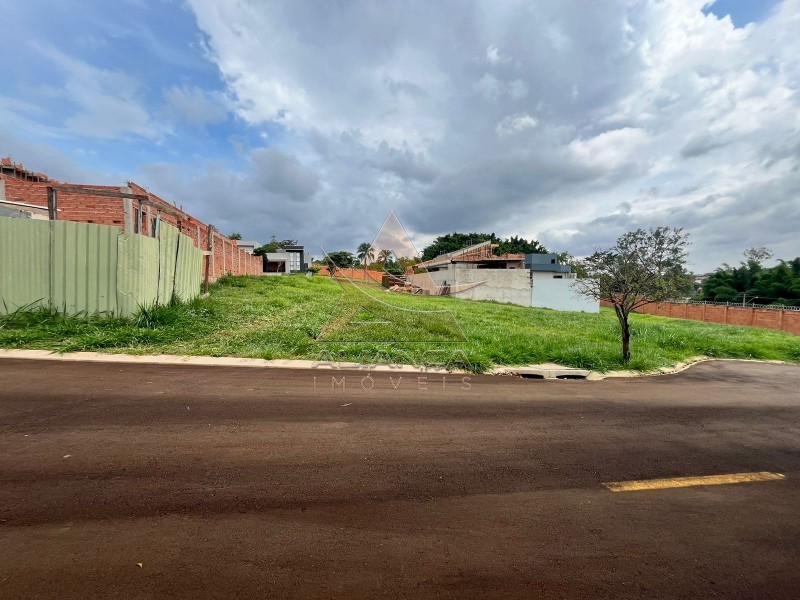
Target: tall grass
<point x="281" y="317"/>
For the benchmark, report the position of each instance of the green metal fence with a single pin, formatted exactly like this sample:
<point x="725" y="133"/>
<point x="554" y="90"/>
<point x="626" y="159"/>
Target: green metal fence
<point x="84" y="268"/>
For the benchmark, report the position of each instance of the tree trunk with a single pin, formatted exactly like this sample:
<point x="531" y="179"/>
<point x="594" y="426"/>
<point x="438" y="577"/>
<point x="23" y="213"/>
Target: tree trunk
<point x="626" y="339"/>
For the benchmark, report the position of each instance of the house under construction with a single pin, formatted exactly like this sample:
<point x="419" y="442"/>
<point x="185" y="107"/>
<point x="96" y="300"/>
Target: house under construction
<point x="477" y="273"/>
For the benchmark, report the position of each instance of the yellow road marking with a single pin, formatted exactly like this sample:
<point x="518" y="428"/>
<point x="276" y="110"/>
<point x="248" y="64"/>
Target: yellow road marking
<point x="678" y="482"/>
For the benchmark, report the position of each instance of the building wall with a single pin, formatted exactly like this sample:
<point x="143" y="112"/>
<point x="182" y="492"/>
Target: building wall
<point x="511" y="286"/>
<point x="552" y="275"/>
<point x="100" y="210"/>
<point x="560" y="294"/>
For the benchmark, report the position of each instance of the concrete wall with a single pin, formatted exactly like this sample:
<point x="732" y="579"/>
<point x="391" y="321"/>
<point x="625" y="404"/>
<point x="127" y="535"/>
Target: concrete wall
<point x="510" y="286"/>
<point x="559" y="294"/>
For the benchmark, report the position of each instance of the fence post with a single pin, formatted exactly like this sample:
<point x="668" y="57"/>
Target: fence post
<point x="52" y="204"/>
<point x="210" y="255"/>
<point x="127" y="205"/>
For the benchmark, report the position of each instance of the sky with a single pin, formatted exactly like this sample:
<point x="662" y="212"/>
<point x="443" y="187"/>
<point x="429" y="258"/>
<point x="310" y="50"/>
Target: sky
<point x="569" y="122"/>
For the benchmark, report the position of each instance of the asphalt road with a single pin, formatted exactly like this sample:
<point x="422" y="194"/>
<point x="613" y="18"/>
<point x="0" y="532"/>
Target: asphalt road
<point x="123" y="481"/>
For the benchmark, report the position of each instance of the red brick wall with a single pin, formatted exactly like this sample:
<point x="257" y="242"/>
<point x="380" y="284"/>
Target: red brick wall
<point x="85" y="208"/>
<point x="361" y="274"/>
<point x="782" y="320"/>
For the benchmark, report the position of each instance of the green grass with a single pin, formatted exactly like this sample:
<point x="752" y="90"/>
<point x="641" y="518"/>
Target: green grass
<point x="281" y="317"/>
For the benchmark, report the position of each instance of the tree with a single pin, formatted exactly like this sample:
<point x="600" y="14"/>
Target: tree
<point x="365" y="253"/>
<point x="750" y="282"/>
<point x="757" y="255"/>
<point x="643" y="267"/>
<point x="518" y="245"/>
<point x="235" y="236"/>
<point x="384" y="256"/>
<point x="341" y="259"/>
<point x="456" y="241"/>
<point x="565" y="258"/>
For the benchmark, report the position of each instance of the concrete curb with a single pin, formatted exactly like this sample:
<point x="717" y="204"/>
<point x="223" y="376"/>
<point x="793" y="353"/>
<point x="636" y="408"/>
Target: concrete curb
<point x="546" y="371"/>
<point x="680" y="367"/>
<point x="213" y="361"/>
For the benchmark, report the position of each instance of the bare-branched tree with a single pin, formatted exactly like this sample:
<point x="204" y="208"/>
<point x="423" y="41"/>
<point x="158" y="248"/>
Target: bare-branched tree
<point x="643" y="267"/>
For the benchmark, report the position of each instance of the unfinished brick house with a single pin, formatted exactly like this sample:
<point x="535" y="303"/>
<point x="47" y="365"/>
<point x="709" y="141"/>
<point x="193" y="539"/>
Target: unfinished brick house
<point x="35" y="195"/>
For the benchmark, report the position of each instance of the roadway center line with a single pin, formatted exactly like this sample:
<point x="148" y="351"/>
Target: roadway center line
<point x="678" y="482"/>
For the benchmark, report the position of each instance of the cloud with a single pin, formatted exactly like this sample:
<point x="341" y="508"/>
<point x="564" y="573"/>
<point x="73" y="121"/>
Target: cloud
<point x="534" y="120"/>
<point x="282" y="174"/>
<point x="493" y="56"/>
<point x="397" y="113"/>
<point x="610" y="150"/>
<point x="194" y="105"/>
<point x="490" y="87"/>
<point x="46" y="159"/>
<point x="515" y="123"/>
<point x="699" y="144"/>
<point x="105" y="101"/>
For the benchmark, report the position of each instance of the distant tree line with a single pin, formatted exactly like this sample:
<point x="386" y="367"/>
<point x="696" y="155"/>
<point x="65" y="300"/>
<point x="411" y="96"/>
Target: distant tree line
<point x="366" y="258"/>
<point x="752" y="283"/>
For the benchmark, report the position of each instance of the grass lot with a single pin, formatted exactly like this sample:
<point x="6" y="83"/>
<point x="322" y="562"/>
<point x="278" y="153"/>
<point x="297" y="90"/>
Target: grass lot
<point x="281" y="317"/>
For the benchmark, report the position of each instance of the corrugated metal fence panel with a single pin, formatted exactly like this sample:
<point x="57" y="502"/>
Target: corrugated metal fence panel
<point x="137" y="273"/>
<point x="188" y="273"/>
<point x="167" y="257"/>
<point x="83" y="272"/>
<point x="24" y="263"/>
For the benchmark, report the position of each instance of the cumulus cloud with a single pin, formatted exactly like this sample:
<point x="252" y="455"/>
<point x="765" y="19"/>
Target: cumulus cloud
<point x="567" y="125"/>
<point x="564" y="117"/>
<point x="609" y="150"/>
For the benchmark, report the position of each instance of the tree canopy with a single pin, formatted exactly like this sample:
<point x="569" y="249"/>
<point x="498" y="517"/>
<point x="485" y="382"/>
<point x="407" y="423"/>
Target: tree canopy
<point x="273" y="246"/>
<point x="751" y="283"/>
<point x="341" y="258"/>
<point x="642" y="267"/>
<point x="365" y="253"/>
<point x="456" y="241"/>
